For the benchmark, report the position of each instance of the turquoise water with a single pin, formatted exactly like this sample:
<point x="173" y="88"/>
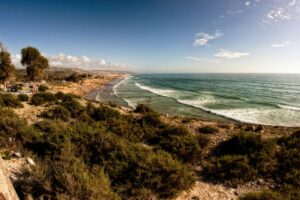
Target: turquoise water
<point x="254" y="98"/>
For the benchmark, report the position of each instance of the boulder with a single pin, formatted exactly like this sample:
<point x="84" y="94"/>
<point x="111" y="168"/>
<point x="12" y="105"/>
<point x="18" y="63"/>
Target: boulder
<point x="30" y="161"/>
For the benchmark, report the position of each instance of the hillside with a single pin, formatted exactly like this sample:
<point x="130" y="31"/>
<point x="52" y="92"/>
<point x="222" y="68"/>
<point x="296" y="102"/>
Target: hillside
<point x="88" y="150"/>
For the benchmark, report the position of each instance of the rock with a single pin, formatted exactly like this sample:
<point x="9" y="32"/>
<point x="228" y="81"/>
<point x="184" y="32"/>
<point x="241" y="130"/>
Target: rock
<point x="272" y="186"/>
<point x="260" y="181"/>
<point x="30" y="161"/>
<point x="28" y="197"/>
<point x="259" y="129"/>
<point x="250" y="128"/>
<point x="17" y="154"/>
<point x="232" y="190"/>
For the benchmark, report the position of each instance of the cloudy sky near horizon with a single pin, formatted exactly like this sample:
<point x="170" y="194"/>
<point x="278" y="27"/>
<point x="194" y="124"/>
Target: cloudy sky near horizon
<point x="260" y="36"/>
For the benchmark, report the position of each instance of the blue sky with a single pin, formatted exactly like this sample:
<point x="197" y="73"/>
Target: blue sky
<point x="158" y="35"/>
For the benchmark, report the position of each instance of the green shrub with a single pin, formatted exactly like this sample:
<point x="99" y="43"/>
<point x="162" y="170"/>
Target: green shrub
<point x="178" y="141"/>
<point x="127" y="128"/>
<point x="207" y="130"/>
<point x="76" y="77"/>
<point x="134" y="166"/>
<point x="9" y="100"/>
<point x="23" y="97"/>
<point x="289" y="159"/>
<point x="184" y="148"/>
<point x="50" y="126"/>
<point x="65" y="97"/>
<point x="58" y="112"/>
<point x="42" y="98"/>
<point x="234" y="169"/>
<point x="254" y="157"/>
<point x="103" y="112"/>
<point x="63" y="178"/>
<point x="73" y="106"/>
<point x="142" y="108"/>
<point x="42" y="88"/>
<point x="12" y="128"/>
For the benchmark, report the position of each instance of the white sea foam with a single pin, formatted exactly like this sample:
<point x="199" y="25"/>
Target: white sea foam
<point x="130" y="103"/>
<point x="199" y="102"/>
<point x="250" y="115"/>
<point x="160" y="92"/>
<point x="115" y="91"/>
<point x="289" y="107"/>
<point x="262" y="116"/>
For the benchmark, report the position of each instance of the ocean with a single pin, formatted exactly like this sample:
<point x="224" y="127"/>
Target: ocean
<point x="270" y="99"/>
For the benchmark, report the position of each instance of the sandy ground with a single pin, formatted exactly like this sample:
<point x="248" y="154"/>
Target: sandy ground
<point x="84" y="87"/>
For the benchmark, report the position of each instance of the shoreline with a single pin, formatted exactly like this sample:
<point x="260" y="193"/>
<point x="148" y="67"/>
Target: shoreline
<point x="84" y="87"/>
<point x="105" y="94"/>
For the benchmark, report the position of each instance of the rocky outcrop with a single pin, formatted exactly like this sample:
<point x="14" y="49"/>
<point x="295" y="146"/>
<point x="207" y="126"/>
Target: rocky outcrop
<point x="7" y="191"/>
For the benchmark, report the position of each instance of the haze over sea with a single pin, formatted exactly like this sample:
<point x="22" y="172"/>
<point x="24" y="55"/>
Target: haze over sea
<point x="271" y="99"/>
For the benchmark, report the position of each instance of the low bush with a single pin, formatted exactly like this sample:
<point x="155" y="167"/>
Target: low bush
<point x="12" y="128"/>
<point x="289" y="157"/>
<point x="42" y="88"/>
<point x="9" y="100"/>
<point x="208" y="130"/>
<point x="50" y="126"/>
<point x="73" y="106"/>
<point x="142" y="108"/>
<point x="244" y="157"/>
<point x="58" y="112"/>
<point x="42" y="98"/>
<point x="65" y="96"/>
<point x="103" y="113"/>
<point x="133" y="168"/>
<point x="184" y="148"/>
<point x="65" y="177"/>
<point x="23" y="97"/>
<point x="183" y="145"/>
<point x="76" y="77"/>
<point x="234" y="169"/>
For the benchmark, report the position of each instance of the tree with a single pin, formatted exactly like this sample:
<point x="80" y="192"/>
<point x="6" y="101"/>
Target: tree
<point x="6" y="67"/>
<point x="34" y="62"/>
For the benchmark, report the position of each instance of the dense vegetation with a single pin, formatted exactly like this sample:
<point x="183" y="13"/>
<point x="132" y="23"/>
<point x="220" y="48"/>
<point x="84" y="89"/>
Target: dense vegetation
<point x="9" y="100"/>
<point x="90" y="150"/>
<point x="248" y="157"/>
<point x="93" y="151"/>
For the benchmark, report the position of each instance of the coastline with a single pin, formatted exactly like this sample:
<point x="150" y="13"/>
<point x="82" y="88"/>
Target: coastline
<point x="223" y="131"/>
<point x="226" y="129"/>
<point x="105" y="94"/>
<point x="86" y="86"/>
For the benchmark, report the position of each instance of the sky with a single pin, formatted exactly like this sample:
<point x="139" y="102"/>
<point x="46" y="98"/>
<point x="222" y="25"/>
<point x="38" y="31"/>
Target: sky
<point x="157" y="36"/>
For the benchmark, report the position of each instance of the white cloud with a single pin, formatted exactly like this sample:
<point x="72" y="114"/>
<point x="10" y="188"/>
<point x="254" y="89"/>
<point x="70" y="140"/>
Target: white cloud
<point x="280" y="45"/>
<point x="203" y="39"/>
<point x="83" y="62"/>
<point x="224" y="53"/>
<point x="247" y="3"/>
<point x="194" y="58"/>
<point x="197" y="59"/>
<point x="292" y="3"/>
<point x="69" y="61"/>
<point x="276" y="14"/>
